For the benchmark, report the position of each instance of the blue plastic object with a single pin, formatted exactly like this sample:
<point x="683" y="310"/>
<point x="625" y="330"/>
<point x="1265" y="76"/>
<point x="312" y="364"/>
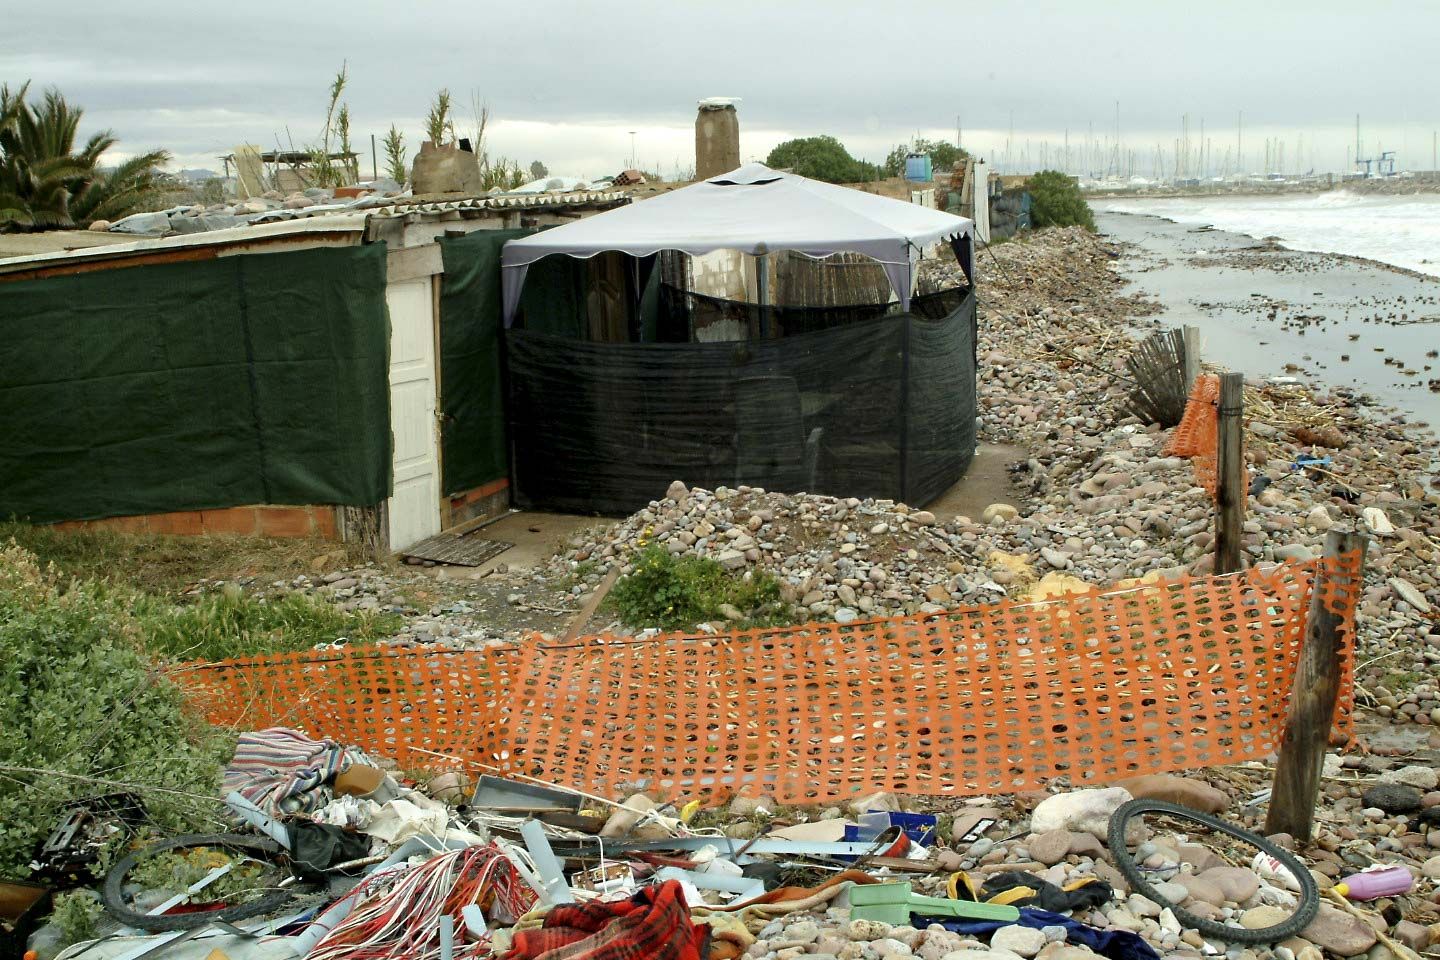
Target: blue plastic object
<point x="1304" y="460"/>
<point x="919" y="827"/>
<point x="918" y="167"/>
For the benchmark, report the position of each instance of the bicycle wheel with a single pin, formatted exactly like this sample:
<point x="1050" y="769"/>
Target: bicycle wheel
<point x="250" y="889"/>
<point x="1309" y="892"/>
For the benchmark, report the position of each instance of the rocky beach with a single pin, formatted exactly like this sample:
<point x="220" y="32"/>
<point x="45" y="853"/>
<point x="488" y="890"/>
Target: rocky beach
<point x="1095" y="502"/>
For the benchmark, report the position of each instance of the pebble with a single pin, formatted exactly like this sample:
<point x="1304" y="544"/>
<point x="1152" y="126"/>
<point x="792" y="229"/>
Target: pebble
<point x="1389" y="798"/>
<point x="1022" y="941"/>
<point x="1339" y="932"/>
<point x="1238" y="884"/>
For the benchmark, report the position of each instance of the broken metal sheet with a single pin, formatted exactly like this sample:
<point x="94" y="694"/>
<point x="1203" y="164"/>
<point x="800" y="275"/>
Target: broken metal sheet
<point x="500" y="794"/>
<point x="463" y="550"/>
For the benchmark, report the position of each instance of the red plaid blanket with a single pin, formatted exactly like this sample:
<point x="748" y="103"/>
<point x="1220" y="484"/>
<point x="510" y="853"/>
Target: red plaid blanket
<point x="652" y="925"/>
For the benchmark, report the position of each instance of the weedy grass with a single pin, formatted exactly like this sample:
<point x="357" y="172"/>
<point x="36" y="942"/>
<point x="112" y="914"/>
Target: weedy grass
<point x="663" y="590"/>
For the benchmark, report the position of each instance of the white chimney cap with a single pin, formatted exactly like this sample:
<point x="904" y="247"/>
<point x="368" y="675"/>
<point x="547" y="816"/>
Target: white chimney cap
<point x="718" y="103"/>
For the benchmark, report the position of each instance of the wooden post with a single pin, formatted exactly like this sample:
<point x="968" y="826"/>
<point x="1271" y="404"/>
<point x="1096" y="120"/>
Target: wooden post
<point x="1231" y="490"/>
<point x="1191" y="357"/>
<point x="1312" y="701"/>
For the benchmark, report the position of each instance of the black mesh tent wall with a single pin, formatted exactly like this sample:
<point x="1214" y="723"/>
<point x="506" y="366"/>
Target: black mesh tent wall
<point x="881" y="407"/>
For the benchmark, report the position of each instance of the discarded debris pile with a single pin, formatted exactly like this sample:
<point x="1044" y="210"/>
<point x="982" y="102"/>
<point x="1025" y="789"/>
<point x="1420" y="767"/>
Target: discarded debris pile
<point x="354" y="861"/>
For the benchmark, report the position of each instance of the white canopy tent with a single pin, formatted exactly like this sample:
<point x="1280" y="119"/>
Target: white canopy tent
<point x="755" y="210"/>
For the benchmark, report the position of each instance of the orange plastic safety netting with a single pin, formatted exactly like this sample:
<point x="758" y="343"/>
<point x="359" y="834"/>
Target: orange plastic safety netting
<point x="994" y="698"/>
<point x="1197" y="435"/>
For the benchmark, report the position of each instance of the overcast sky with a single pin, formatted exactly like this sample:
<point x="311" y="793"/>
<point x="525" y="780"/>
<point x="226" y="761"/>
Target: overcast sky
<point x="567" y="81"/>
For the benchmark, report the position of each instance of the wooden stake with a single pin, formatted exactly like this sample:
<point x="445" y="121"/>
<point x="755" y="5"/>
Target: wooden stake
<point x="1312" y="700"/>
<point x="1191" y="356"/>
<point x="591" y="605"/>
<point x="1231" y="490"/>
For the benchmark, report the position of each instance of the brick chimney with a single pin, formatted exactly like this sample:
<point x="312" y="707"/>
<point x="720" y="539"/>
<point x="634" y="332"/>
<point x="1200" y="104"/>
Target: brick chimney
<point x="717" y="138"/>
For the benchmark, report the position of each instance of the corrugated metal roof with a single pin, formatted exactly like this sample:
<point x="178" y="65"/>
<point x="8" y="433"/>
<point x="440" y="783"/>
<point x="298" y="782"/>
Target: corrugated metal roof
<point x="349" y="218"/>
<point x="399" y="206"/>
<point x="344" y="223"/>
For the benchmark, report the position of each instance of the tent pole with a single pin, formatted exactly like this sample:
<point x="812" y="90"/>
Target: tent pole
<point x="762" y="287"/>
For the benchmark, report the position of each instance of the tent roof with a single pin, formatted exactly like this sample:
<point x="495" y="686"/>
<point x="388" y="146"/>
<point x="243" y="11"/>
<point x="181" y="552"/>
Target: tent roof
<point x="755" y="210"/>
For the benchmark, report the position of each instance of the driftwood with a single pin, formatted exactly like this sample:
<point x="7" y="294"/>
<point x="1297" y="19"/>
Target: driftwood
<point x="1158" y="368"/>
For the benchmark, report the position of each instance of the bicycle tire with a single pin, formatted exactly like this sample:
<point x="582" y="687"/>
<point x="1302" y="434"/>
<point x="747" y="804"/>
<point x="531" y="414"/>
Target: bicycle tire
<point x="1309" y="892"/>
<point x="261" y="848"/>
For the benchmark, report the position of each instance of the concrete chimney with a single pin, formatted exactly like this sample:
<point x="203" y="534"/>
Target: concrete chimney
<point x="717" y="138"/>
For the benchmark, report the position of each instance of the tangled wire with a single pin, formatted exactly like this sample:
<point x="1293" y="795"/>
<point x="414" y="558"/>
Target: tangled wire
<point x="398" y="913"/>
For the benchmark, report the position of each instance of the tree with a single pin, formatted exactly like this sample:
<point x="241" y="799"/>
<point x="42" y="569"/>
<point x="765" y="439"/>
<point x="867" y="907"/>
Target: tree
<point x="337" y="126"/>
<point x="943" y="155"/>
<point x="46" y="183"/>
<point x="538" y="170"/>
<point x="821" y="158"/>
<point x="1057" y="202"/>
<point x="395" y="167"/>
<point x="438" y="123"/>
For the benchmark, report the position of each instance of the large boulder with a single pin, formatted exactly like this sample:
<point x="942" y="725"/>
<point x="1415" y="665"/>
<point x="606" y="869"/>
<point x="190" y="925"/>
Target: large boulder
<point x="1195" y="794"/>
<point x="1080" y="811"/>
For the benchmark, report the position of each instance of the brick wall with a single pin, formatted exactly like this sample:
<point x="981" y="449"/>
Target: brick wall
<point x="488" y="500"/>
<point x="263" y="521"/>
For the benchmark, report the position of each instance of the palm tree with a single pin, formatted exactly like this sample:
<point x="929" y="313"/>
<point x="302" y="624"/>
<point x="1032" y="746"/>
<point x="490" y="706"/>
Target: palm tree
<point x="46" y="183"/>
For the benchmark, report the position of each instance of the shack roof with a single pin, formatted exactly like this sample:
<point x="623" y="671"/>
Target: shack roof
<point x="755" y="210"/>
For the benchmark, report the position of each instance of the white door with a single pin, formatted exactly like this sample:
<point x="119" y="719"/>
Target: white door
<point x="415" y="499"/>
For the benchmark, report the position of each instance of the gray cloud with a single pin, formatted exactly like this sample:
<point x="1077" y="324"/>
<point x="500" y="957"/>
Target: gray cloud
<point x="196" y="79"/>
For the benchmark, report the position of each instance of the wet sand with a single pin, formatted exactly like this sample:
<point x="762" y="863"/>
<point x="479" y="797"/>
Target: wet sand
<point x="1325" y="319"/>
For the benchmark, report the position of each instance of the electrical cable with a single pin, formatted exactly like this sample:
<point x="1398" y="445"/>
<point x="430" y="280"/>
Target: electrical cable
<point x="1309" y="892"/>
<point x="397" y="913"/>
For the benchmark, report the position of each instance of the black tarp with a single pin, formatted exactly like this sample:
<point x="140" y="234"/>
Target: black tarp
<point x="259" y="378"/>
<point x="474" y="450"/>
<point x="605" y="427"/>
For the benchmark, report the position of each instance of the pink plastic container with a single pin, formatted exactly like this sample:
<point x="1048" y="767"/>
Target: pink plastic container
<point x="1375" y="882"/>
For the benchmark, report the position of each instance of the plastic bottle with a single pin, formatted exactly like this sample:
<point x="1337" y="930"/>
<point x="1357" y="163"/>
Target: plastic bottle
<point x="1273" y="870"/>
<point x="1374" y="882"/>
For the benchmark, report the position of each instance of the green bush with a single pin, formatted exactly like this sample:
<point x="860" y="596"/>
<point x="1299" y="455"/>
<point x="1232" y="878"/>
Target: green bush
<point x="943" y="155"/>
<point x="78" y="697"/>
<point x="663" y="590"/>
<point x="821" y="158"/>
<point x="1057" y="201"/>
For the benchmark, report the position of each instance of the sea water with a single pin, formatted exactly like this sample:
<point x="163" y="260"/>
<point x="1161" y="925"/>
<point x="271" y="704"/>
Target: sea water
<point x="1403" y="231"/>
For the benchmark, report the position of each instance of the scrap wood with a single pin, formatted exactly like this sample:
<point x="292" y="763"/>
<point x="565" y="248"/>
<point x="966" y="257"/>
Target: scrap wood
<point x="588" y="610"/>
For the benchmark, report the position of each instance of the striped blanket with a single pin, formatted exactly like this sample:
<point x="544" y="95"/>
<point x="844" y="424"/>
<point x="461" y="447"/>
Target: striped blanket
<point x="282" y="771"/>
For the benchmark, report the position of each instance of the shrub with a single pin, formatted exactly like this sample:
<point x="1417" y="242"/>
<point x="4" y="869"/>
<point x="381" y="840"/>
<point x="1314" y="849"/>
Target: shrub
<point x="1057" y="201"/>
<point x="235" y="624"/>
<point x="678" y="592"/>
<point x="821" y="158"/>
<point x="79" y="698"/>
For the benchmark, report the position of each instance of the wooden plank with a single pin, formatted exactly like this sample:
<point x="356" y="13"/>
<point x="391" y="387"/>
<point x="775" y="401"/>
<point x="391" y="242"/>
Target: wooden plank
<point x="413" y="263"/>
<point x="1231" y="490"/>
<point x="1296" y="786"/>
<point x="591" y="605"/>
<point x="471" y="551"/>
